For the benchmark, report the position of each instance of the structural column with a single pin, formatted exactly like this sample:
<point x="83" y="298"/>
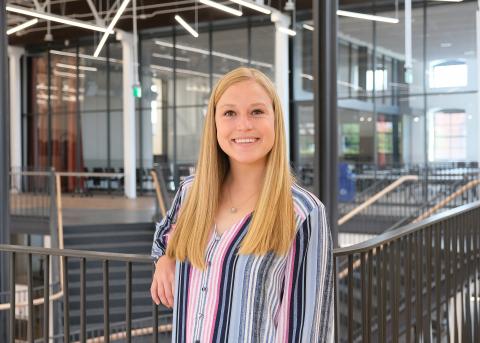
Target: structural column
<point x="15" y="54"/>
<point x="129" y="141"/>
<point x="4" y="168"/>
<point x="325" y="107"/>
<point x="281" y="67"/>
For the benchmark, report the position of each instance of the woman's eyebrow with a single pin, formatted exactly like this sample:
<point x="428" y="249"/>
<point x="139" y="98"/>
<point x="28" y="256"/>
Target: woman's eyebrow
<point x="251" y="105"/>
<point x="227" y="105"/>
<point x="258" y="104"/>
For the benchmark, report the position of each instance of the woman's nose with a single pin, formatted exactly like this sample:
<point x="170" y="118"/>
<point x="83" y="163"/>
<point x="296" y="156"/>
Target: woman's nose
<point x="244" y="122"/>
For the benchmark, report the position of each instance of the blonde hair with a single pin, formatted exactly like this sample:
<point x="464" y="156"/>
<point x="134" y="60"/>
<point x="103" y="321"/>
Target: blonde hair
<point x="272" y="228"/>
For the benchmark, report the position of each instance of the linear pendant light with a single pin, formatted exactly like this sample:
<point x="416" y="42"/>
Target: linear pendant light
<point x="308" y="27"/>
<point x="288" y="31"/>
<point x="20" y="27"/>
<point x="70" y="66"/>
<point x="253" y="6"/>
<point x="222" y="7"/>
<point x="186" y="26"/>
<point x="55" y="18"/>
<point x="110" y="27"/>
<point x="367" y="17"/>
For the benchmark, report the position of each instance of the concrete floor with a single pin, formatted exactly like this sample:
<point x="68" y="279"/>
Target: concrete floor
<point x="105" y="209"/>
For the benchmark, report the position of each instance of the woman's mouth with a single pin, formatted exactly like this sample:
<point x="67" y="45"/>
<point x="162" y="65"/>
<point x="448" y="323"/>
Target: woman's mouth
<point x="245" y="140"/>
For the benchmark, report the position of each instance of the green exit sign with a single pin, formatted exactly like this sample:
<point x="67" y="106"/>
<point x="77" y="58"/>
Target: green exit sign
<point x="137" y="91"/>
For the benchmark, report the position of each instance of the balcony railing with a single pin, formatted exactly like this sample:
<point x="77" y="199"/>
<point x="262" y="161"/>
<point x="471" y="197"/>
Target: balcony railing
<point x="131" y="327"/>
<point x="416" y="283"/>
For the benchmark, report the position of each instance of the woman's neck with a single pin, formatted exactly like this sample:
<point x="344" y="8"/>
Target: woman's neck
<point x="244" y="178"/>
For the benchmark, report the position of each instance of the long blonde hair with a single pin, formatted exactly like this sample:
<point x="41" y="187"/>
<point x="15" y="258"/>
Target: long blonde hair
<point x="273" y="224"/>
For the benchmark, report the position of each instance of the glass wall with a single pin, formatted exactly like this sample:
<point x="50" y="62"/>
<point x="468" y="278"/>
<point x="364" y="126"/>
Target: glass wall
<point x="74" y="111"/>
<point x="393" y="121"/>
<point x="74" y="117"/>
<point x="178" y="72"/>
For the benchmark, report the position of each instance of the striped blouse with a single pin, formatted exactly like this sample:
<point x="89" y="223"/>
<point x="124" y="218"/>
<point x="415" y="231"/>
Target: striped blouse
<point x="247" y="298"/>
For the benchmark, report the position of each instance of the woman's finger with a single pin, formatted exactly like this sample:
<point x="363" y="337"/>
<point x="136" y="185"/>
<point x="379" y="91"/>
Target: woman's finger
<point x="168" y="292"/>
<point x="161" y="294"/>
<point x="153" y="292"/>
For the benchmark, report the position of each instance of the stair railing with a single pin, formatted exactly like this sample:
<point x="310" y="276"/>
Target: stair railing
<point x="56" y="213"/>
<point x="158" y="193"/>
<point x="376" y="197"/>
<point x="82" y="256"/>
<point x="465" y="188"/>
<point x="417" y="282"/>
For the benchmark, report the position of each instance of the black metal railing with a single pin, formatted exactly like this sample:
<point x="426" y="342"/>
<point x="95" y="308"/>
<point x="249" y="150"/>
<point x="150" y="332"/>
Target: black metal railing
<point x="416" y="283"/>
<point x="32" y="194"/>
<point x="435" y="182"/>
<point x="39" y="327"/>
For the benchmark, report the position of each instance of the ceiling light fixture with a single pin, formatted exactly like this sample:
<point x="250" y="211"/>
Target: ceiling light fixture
<point x="70" y="75"/>
<point x="222" y="7"/>
<point x="22" y="26"/>
<point x="308" y="27"/>
<point x="69" y="66"/>
<point x="214" y="53"/>
<point x="55" y="18"/>
<point x="287" y="31"/>
<point x="85" y="56"/>
<point x="168" y="57"/>
<point x="252" y="6"/>
<point x="110" y="27"/>
<point x="367" y="17"/>
<point x="186" y="26"/>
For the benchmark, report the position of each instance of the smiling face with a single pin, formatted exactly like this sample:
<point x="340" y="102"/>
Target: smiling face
<point x="244" y="117"/>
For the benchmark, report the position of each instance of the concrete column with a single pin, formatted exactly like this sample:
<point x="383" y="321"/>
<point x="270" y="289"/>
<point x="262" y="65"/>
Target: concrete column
<point x="129" y="141"/>
<point x="15" y="54"/>
<point x="281" y="68"/>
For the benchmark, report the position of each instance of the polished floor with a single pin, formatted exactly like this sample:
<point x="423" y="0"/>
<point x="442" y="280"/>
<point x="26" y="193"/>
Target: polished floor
<point x="105" y="209"/>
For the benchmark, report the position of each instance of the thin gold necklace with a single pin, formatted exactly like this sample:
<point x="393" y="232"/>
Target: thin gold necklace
<point x="234" y="209"/>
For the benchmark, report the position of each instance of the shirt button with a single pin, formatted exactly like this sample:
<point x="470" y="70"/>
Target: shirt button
<point x="204" y="289"/>
<point x="200" y="315"/>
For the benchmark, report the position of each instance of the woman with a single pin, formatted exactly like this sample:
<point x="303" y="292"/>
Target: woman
<point x="249" y="253"/>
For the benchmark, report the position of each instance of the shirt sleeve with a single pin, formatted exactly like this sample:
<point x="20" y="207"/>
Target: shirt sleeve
<point x="306" y="309"/>
<point x="164" y="227"/>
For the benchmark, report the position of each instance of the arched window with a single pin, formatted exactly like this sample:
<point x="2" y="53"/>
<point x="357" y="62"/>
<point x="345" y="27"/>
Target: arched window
<point x="449" y="73"/>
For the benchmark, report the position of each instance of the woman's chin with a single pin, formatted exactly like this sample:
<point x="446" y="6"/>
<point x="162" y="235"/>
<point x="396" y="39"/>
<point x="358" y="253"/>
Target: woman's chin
<point x="247" y="160"/>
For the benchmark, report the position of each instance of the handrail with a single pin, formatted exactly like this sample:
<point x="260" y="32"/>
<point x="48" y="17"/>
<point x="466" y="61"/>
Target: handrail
<point x="30" y="173"/>
<point x="445" y="201"/>
<point x="36" y="301"/>
<point x="96" y="255"/>
<point x="58" y="191"/>
<point x="400" y="232"/>
<point x="375" y="197"/>
<point x="158" y="193"/>
<point x="89" y="174"/>
<point x="423" y="265"/>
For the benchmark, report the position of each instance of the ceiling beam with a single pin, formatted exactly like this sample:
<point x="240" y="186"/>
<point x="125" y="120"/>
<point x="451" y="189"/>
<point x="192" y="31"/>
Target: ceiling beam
<point x="98" y="19"/>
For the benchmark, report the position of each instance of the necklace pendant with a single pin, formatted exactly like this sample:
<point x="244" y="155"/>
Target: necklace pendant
<point x="233" y="209"/>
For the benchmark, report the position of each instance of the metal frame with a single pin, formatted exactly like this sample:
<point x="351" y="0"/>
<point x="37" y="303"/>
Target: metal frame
<point x="325" y="107"/>
<point x="4" y="164"/>
<point x="440" y="253"/>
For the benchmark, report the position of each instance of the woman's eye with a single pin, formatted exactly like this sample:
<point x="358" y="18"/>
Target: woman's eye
<point x="257" y="112"/>
<point x="229" y="113"/>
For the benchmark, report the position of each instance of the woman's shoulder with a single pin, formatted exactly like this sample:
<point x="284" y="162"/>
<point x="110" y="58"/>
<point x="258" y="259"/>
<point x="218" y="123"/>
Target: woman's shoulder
<point x="187" y="182"/>
<point x="305" y="202"/>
